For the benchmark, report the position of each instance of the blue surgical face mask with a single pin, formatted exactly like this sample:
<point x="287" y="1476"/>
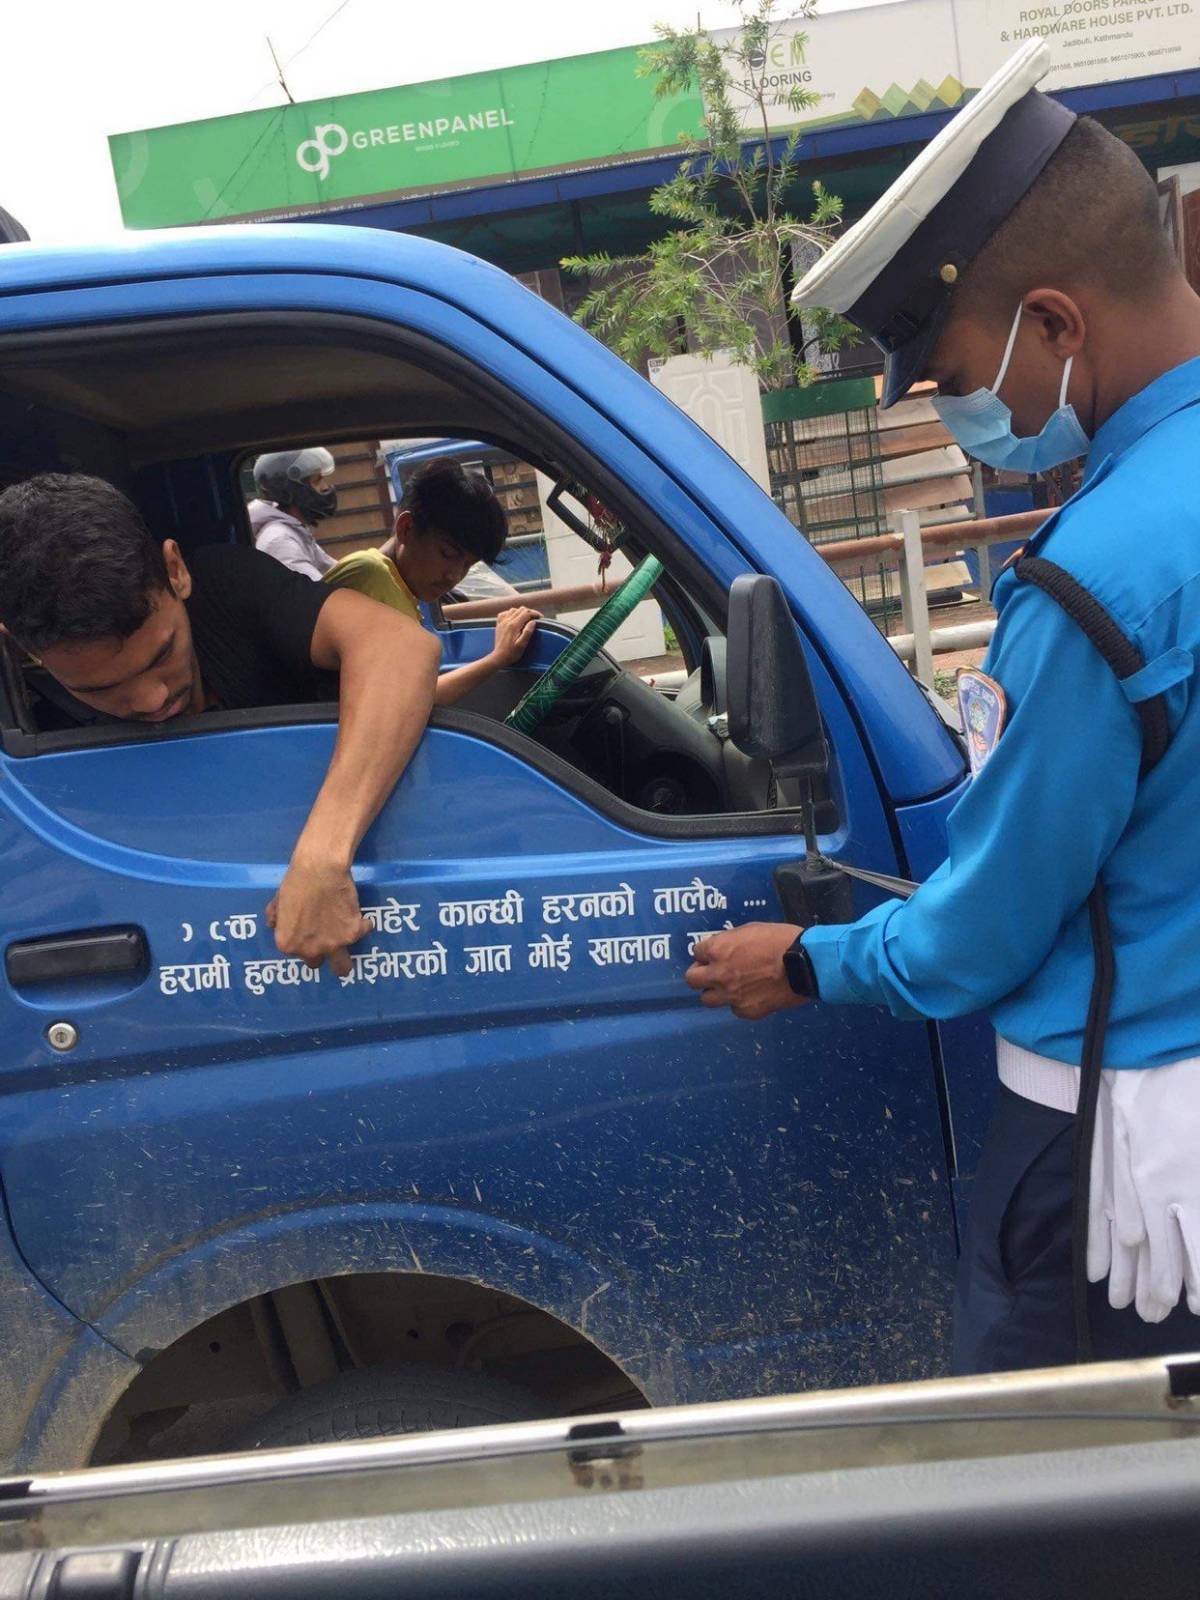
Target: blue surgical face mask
<point x="982" y="424"/>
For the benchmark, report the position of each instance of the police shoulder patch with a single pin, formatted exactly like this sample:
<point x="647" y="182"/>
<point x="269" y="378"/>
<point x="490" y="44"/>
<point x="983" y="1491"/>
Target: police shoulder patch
<point x="983" y="708"/>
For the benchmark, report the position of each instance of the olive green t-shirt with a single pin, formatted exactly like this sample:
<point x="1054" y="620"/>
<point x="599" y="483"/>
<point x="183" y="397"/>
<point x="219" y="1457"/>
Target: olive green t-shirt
<point x="370" y="572"/>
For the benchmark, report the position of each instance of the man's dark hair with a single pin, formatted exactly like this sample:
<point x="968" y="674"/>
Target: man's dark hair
<point x="77" y="563"/>
<point x="460" y="505"/>
<point x="1090" y="219"/>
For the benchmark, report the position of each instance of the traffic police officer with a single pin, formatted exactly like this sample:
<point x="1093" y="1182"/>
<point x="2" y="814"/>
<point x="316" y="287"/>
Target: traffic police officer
<point x="1020" y="263"/>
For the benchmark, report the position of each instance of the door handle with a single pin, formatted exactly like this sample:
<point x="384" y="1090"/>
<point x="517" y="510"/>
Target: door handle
<point x="92" y="953"/>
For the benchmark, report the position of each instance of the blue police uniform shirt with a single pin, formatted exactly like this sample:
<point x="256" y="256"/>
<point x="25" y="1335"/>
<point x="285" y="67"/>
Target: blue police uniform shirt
<point x="1002" y="925"/>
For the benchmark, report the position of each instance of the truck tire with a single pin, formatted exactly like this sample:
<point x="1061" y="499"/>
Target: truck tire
<point x="381" y="1401"/>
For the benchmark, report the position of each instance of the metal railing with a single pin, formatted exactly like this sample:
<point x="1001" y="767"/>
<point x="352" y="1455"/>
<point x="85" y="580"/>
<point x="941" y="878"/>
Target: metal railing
<point x="908" y="543"/>
<point x="905" y="547"/>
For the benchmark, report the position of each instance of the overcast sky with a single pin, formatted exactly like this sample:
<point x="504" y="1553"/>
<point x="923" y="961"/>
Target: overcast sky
<point x="74" y="72"/>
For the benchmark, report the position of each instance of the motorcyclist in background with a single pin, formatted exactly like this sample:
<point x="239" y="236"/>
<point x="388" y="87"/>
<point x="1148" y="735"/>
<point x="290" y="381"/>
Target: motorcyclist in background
<point x="296" y="491"/>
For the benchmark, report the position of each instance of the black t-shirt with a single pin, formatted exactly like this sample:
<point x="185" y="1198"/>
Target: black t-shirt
<point x="252" y="626"/>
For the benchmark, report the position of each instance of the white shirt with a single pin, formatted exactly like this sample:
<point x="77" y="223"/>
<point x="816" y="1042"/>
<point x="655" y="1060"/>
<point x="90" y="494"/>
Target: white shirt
<point x="287" y="539"/>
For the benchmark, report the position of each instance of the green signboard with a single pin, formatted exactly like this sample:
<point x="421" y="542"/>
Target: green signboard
<point x="419" y="138"/>
<point x="866" y="65"/>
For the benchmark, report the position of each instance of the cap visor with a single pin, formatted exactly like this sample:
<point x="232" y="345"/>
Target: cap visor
<point x="906" y="365"/>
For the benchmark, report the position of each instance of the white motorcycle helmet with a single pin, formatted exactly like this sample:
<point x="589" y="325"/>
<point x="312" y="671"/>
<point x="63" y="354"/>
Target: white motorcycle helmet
<point x="283" y="478"/>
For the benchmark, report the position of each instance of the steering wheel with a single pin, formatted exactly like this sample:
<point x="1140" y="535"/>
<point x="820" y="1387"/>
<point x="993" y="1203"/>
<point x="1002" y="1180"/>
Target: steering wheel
<point x="584" y="647"/>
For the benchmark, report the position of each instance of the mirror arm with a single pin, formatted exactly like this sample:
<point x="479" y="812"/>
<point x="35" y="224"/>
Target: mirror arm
<point x="816" y="889"/>
<point x="811" y="847"/>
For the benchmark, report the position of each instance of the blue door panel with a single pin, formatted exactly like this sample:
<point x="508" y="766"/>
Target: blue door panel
<point x="728" y="1177"/>
<point x="782" y="1198"/>
<point x="772" y="1186"/>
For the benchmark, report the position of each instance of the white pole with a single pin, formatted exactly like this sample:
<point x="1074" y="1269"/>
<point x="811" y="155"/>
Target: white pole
<point x="980" y="509"/>
<point x="965" y="636"/>
<point x="982" y="553"/>
<point x="913" y="599"/>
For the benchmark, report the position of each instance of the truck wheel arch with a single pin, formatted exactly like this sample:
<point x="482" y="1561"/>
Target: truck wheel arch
<point x="427" y="1284"/>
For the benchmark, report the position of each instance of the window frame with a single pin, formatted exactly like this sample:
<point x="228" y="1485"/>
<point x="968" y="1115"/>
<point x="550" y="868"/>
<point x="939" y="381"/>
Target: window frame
<point x="545" y="444"/>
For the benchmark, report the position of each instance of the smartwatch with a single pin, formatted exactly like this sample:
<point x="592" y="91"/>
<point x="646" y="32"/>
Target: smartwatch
<point x="800" y="972"/>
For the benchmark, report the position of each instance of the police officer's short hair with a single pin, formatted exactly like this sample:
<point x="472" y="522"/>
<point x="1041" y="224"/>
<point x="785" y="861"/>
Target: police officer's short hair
<point x="1092" y="217"/>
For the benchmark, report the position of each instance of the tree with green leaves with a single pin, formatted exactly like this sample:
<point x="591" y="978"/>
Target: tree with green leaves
<point x="719" y="272"/>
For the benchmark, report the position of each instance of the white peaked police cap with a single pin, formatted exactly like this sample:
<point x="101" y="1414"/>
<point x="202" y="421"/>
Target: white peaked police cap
<point x="893" y="273"/>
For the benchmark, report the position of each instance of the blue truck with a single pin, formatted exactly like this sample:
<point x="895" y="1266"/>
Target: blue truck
<point x="511" y="1169"/>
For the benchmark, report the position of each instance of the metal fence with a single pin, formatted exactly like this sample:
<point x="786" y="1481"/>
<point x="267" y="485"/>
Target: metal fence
<point x="824" y="457"/>
<point x="907" y="547"/>
<point x="876" y="587"/>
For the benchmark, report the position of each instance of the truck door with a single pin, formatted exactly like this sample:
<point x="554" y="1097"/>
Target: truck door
<point x="515" y="1086"/>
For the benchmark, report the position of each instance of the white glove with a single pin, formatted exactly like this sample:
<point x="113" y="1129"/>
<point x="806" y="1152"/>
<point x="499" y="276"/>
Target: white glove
<point x="1107" y="1256"/>
<point x="1144" y="1222"/>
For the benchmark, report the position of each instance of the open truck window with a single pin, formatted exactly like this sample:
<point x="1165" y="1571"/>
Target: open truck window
<point x="629" y="696"/>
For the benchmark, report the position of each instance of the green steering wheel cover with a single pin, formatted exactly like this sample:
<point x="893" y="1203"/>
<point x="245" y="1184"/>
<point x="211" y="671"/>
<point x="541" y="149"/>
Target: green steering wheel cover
<point x="584" y="647"/>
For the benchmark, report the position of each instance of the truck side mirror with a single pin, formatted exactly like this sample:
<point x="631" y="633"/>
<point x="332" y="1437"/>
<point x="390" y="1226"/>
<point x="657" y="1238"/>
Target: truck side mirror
<point x="773" y="712"/>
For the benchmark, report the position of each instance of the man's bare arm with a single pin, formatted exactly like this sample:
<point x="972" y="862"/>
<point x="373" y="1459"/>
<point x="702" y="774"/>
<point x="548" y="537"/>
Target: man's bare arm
<point x="388" y="666"/>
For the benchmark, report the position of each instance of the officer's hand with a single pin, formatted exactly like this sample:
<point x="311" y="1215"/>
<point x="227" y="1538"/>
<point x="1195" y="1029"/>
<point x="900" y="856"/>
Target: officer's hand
<point x="316" y="915"/>
<point x="743" y="969"/>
